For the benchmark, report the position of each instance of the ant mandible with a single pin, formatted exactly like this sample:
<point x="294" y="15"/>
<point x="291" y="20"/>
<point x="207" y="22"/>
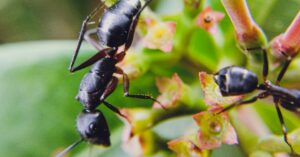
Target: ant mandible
<point x="234" y="80"/>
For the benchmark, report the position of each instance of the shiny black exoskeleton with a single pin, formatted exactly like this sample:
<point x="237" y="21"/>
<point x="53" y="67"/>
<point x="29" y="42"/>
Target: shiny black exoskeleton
<point x="95" y="82"/>
<point x="116" y="28"/>
<point x="93" y="127"/>
<point x="233" y="81"/>
<point x="236" y="81"/>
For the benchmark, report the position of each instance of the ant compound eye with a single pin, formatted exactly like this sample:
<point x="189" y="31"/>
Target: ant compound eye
<point x="220" y="80"/>
<point x="93" y="127"/>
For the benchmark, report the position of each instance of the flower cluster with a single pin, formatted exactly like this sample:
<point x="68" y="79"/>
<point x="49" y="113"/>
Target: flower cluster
<point x="213" y="127"/>
<point x="165" y="46"/>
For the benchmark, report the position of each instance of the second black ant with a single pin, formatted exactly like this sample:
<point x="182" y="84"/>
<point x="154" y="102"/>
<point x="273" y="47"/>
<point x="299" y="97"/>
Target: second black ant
<point x="233" y="81"/>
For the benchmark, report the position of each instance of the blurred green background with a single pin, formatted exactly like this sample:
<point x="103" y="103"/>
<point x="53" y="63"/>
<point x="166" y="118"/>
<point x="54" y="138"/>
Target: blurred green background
<point x="37" y="105"/>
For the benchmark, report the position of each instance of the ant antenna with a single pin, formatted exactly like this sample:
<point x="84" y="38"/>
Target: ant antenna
<point x="95" y="11"/>
<point x="68" y="148"/>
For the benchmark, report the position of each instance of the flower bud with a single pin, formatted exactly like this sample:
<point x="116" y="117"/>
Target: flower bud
<point x="287" y="44"/>
<point x="248" y="33"/>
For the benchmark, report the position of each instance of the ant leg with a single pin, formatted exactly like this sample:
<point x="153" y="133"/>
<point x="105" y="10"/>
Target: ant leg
<point x="283" y="126"/>
<point x="93" y="59"/>
<point x="126" y="89"/>
<point x="238" y="104"/>
<point x="90" y="40"/>
<point x="110" y="87"/>
<point x="131" y="33"/>
<point x="133" y="26"/>
<point x="81" y="35"/>
<point x="283" y="70"/>
<point x="265" y="69"/>
<point x="119" y="57"/>
<point x="259" y="96"/>
<point x="265" y="65"/>
<point x="114" y="109"/>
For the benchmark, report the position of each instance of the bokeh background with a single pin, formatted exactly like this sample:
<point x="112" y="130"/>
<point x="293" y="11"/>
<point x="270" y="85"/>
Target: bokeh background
<point x="37" y="39"/>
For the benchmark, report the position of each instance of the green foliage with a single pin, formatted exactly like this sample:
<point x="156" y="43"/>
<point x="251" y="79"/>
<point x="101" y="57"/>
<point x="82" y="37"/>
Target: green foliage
<point x="38" y="109"/>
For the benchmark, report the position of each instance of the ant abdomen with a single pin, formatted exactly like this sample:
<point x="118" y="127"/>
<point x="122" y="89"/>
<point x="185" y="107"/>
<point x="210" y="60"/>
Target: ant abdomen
<point x="116" y="21"/>
<point x="235" y="80"/>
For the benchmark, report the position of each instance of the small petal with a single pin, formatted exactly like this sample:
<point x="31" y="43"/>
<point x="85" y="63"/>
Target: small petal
<point x="143" y="144"/>
<point x="160" y="36"/>
<point x="134" y="64"/>
<point x="139" y="119"/>
<point x="207" y="142"/>
<point x="130" y="143"/>
<point x="185" y="148"/>
<point x="208" y="19"/>
<point x="171" y="91"/>
<point x="211" y="91"/>
<point x="230" y="137"/>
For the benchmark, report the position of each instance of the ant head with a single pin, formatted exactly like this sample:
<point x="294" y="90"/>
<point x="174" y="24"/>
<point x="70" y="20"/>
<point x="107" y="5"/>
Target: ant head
<point x="234" y="80"/>
<point x="93" y="128"/>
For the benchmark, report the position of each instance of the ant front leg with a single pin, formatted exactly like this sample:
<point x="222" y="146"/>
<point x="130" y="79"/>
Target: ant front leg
<point x="81" y="36"/>
<point x="111" y="86"/>
<point x="243" y="102"/>
<point x="265" y="69"/>
<point x="283" y="70"/>
<point x="93" y="59"/>
<point x="126" y="89"/>
<point x="133" y="26"/>
<point x="265" y="64"/>
<point x="283" y="126"/>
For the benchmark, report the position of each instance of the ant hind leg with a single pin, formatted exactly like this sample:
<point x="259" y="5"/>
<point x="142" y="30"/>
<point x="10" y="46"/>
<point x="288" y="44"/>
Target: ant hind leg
<point x="283" y="126"/>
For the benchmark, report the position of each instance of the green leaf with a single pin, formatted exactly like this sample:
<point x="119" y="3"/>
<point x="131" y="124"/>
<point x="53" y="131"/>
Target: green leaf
<point x="202" y="50"/>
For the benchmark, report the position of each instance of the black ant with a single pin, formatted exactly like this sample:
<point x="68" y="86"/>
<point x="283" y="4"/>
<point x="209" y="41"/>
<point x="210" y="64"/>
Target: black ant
<point x="235" y="80"/>
<point x="116" y="28"/>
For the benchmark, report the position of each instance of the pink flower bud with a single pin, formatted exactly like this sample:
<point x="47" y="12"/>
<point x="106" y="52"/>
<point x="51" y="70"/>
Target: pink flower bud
<point x="288" y="43"/>
<point x="248" y="34"/>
